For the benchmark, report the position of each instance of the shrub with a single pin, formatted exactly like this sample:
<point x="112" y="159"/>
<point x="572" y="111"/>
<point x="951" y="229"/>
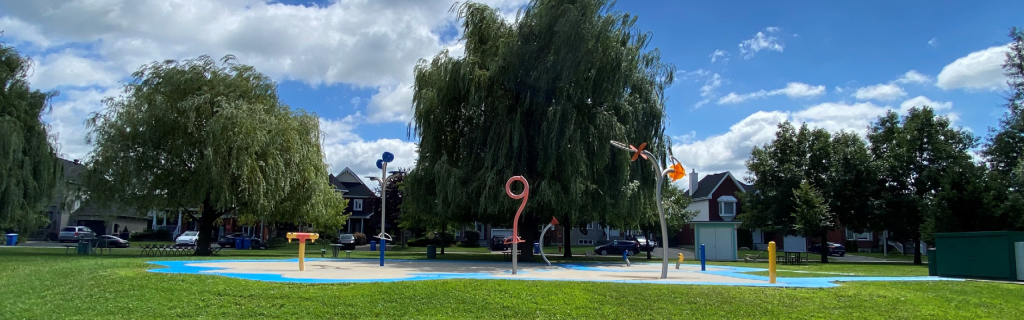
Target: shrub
<point x="472" y="238"/>
<point x="360" y="238"/>
<point x="276" y="242"/>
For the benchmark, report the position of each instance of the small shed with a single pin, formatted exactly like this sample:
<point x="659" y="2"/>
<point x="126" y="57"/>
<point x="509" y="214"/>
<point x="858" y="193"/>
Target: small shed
<point x="987" y="254"/>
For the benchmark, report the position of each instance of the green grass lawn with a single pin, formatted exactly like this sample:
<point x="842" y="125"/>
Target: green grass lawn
<point x="47" y="284"/>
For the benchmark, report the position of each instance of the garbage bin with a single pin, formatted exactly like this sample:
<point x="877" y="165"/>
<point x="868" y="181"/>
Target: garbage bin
<point x="238" y="243"/>
<point x="373" y="245"/>
<point x="431" y="252"/>
<point x="84" y="247"/>
<point x="12" y="239"/>
<point x="933" y="262"/>
<point x="536" y="248"/>
<point x="246" y="243"/>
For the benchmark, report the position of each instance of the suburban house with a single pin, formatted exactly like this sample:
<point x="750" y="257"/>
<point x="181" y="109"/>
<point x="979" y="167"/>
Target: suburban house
<point x="360" y="202"/>
<point x="714" y="200"/>
<point x="72" y="207"/>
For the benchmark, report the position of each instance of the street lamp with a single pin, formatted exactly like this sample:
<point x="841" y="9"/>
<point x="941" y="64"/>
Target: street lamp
<point x="382" y="164"/>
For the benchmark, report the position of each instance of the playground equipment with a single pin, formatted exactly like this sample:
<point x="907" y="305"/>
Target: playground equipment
<point x="771" y="262"/>
<point x="680" y="260"/>
<point x="676" y="172"/>
<point x="302" y="236"/>
<point x="625" y="256"/>
<point x="382" y="164"/>
<point x="515" y="240"/>
<point x="551" y="225"/>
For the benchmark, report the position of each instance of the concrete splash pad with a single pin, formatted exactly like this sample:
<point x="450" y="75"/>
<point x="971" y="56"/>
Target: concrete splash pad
<point x="368" y="270"/>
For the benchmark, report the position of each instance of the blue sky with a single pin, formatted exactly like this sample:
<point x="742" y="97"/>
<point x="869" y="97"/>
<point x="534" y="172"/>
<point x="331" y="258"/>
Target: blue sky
<point x="836" y="66"/>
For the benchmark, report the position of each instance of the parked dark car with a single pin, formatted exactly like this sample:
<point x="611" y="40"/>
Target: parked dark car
<point x="835" y="249"/>
<point x="618" y="247"/>
<point x="644" y="244"/>
<point x="228" y="240"/>
<point x="114" y="242"/>
<point x="498" y="243"/>
<point x="347" y="241"/>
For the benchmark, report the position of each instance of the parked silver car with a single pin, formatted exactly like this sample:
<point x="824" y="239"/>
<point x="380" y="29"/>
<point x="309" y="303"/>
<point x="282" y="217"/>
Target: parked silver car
<point x="74" y="234"/>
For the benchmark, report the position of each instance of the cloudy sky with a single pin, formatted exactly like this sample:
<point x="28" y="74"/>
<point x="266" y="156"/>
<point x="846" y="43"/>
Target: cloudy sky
<point x="743" y="68"/>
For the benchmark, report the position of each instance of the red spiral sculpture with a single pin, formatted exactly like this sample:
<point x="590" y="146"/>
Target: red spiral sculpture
<point x="525" y="196"/>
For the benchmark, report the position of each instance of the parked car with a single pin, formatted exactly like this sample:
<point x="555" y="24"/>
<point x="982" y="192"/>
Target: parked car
<point x="645" y="244"/>
<point x="114" y="242"/>
<point x="618" y="247"/>
<point x="347" y="241"/>
<point x="188" y="238"/>
<point x="834" y="249"/>
<point x="228" y="240"/>
<point x="74" y="234"/>
<point x="498" y="243"/>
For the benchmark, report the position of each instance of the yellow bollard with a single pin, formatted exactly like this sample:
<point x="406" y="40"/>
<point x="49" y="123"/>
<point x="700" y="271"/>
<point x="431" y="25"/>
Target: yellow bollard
<point x="771" y="262"/>
<point x="680" y="260"/>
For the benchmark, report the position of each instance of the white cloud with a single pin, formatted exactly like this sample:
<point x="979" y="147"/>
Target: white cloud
<point x="67" y="119"/>
<point x="913" y="76"/>
<point x="934" y="42"/>
<point x="880" y="92"/>
<point x="765" y="40"/>
<point x="979" y="70"/>
<point x="921" y="101"/>
<point x="344" y="148"/>
<point x="793" y="90"/>
<point x="68" y="68"/>
<point x="361" y="43"/>
<point x="719" y="54"/>
<point x="707" y="91"/>
<point x="695" y="75"/>
<point x="391" y="104"/>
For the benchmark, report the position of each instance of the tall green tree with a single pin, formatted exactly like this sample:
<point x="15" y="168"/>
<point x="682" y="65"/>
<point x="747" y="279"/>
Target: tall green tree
<point x="837" y="165"/>
<point x="1006" y="143"/>
<point x="914" y="153"/>
<point x="29" y="168"/>
<point x="540" y="97"/>
<point x="210" y="139"/>
<point x="812" y="216"/>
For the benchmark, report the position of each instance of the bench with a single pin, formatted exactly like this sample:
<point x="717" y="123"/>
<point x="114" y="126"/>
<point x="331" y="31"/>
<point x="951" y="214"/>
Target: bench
<point x="172" y="250"/>
<point x="508" y="254"/>
<point x="589" y="254"/>
<point x="752" y="257"/>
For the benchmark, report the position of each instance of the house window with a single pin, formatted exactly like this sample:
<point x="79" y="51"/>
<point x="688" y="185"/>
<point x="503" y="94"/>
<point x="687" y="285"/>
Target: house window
<point x="728" y="209"/>
<point x="584" y="241"/>
<point x="357" y="204"/>
<point x="854" y="236"/>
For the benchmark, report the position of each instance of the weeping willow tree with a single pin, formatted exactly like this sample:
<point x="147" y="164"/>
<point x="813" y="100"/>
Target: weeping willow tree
<point x="539" y="97"/>
<point x="210" y="139"/>
<point x="29" y="168"/>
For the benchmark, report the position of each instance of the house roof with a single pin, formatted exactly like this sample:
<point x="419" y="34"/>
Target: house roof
<point x="710" y="183"/>
<point x="352" y="189"/>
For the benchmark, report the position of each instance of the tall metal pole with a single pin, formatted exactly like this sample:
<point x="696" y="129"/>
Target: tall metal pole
<point x="383" y="199"/>
<point x="661" y="212"/>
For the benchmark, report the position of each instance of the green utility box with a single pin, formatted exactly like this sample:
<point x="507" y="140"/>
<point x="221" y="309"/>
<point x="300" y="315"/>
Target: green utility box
<point x="987" y="254"/>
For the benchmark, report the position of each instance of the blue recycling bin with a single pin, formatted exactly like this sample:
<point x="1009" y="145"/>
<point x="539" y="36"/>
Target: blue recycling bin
<point x="238" y="243"/>
<point x="12" y="239"/>
<point x="536" y="248"/>
<point x="373" y="245"/>
<point x="246" y="243"/>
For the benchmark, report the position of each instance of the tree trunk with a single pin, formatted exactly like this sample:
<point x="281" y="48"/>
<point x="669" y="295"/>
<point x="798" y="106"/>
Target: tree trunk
<point x="647" y="236"/>
<point x="825" y="250"/>
<point x="528" y="231"/>
<point x="566" y="237"/>
<point x="443" y="229"/>
<point x="206" y="228"/>
<point x="917" y="249"/>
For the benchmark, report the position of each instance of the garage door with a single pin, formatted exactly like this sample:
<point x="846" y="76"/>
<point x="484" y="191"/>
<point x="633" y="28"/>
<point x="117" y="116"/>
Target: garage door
<point x="717" y="243"/>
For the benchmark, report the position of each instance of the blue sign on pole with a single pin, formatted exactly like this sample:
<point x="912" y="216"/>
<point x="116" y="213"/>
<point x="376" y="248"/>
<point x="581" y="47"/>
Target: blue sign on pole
<point x="388" y="157"/>
<point x="380" y="164"/>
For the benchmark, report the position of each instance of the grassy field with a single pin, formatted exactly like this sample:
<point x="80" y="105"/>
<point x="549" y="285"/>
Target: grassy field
<point x="47" y="284"/>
